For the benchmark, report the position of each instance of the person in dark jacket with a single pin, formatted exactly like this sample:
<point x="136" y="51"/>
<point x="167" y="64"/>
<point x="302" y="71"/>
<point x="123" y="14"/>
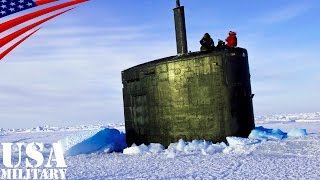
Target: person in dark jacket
<point x="221" y="44"/>
<point x="232" y="39"/>
<point x="207" y="44"/>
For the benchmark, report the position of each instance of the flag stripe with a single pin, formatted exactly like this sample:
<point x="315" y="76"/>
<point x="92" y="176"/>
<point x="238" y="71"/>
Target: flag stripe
<point x="42" y="2"/>
<point x="7" y="51"/>
<point x="19" y="32"/>
<point x="14" y="22"/>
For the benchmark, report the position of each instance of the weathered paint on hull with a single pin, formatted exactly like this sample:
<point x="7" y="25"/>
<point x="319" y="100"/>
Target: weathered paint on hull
<point x="195" y="96"/>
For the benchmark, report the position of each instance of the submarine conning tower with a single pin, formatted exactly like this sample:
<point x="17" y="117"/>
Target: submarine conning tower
<point x="199" y="95"/>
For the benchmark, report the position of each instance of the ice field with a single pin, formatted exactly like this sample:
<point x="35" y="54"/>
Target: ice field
<point x="292" y="155"/>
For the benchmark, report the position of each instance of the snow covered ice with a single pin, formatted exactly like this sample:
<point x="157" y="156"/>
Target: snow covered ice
<point x="194" y="147"/>
<point x="143" y="149"/>
<point x="292" y="153"/>
<point x="297" y="132"/>
<point x="238" y="141"/>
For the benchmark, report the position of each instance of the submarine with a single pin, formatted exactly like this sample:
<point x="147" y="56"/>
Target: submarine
<point x="192" y="95"/>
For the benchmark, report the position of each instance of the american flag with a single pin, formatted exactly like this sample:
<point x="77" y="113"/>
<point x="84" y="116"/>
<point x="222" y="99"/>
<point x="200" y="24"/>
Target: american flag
<point x="14" y="7"/>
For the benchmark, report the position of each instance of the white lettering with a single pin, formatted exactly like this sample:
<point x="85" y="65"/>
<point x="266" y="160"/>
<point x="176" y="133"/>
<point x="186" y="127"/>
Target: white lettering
<point x="58" y="154"/>
<point x="35" y="173"/>
<point x="7" y="149"/>
<point x="63" y="173"/>
<point x="44" y="174"/>
<point x="34" y="159"/>
<point x="34" y="154"/>
<point x="5" y="173"/>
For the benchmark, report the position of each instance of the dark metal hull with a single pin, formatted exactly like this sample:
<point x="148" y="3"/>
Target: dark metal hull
<point x="203" y="95"/>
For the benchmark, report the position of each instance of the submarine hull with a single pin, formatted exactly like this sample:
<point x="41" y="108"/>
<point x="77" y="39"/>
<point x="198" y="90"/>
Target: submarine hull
<point x="202" y="95"/>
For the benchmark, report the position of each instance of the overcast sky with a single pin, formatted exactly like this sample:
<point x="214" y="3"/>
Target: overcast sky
<point x="69" y="72"/>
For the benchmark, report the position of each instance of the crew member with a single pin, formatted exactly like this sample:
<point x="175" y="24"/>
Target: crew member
<point x="207" y="43"/>
<point x="221" y="44"/>
<point x="232" y="39"/>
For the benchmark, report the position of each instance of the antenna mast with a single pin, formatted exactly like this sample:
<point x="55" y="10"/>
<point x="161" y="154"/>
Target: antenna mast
<point x="177" y="3"/>
<point x="180" y="27"/>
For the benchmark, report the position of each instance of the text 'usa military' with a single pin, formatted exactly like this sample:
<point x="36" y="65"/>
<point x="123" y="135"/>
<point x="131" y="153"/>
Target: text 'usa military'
<point x="32" y="161"/>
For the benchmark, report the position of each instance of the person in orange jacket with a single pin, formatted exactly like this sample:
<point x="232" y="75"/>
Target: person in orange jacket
<point x="232" y="39"/>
